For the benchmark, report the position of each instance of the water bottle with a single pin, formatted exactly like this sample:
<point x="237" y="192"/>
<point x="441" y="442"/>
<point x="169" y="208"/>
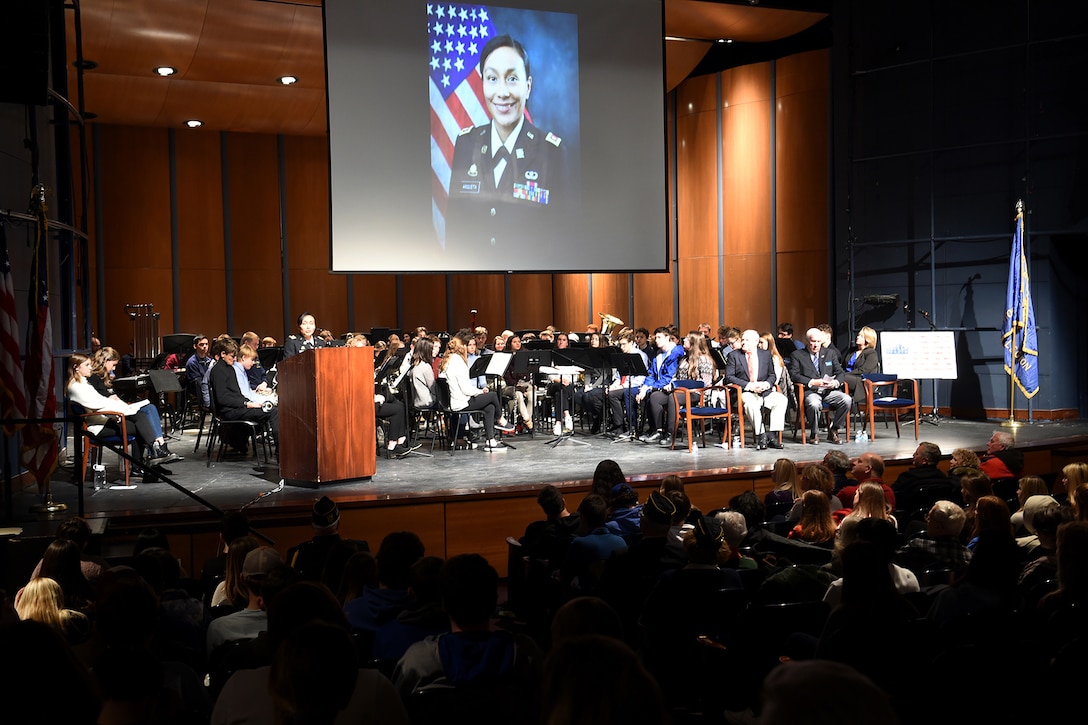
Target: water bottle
<point x="99" y="477"/>
<point x="858" y="435"/>
<point x="736" y="442"/>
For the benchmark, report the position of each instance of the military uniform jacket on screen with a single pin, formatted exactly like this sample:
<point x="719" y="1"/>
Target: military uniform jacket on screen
<point x="481" y="215"/>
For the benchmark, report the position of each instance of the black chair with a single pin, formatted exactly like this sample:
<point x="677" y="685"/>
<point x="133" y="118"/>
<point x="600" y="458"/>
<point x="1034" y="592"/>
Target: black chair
<point x="454" y="418"/>
<point x="251" y="430"/>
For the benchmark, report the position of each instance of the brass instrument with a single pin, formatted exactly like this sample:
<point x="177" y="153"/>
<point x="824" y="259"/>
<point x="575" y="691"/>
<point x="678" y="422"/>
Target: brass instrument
<point x="272" y="401"/>
<point x="609" y="322"/>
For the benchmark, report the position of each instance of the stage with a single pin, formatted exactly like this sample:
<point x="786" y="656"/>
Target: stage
<point x="473" y="499"/>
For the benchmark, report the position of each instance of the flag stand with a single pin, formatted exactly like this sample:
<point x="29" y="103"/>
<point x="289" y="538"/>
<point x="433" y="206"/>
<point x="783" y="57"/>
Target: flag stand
<point x="48" y="505"/>
<point x="1019" y="313"/>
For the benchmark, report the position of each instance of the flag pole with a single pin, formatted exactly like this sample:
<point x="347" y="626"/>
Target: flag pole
<point x="1012" y="422"/>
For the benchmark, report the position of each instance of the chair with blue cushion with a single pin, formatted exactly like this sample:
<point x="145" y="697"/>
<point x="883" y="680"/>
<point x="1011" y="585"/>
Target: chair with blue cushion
<point x="883" y="393"/>
<point x="114" y="436"/>
<point x="690" y="397"/>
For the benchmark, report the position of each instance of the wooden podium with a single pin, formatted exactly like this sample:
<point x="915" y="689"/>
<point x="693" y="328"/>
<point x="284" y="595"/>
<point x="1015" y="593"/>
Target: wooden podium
<point x="327" y="416"/>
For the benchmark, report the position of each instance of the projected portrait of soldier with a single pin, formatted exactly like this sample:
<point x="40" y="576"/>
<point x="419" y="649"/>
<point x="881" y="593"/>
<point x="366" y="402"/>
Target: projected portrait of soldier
<point x="506" y="173"/>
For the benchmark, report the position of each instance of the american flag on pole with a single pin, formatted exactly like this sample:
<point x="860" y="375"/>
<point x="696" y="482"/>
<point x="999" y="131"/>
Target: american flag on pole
<point x="12" y="394"/>
<point x="1018" y="333"/>
<point x="457" y="33"/>
<point x="40" y="440"/>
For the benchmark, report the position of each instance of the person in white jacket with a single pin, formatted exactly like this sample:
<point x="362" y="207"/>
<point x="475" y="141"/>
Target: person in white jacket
<point x="144" y="418"/>
<point x="466" y="396"/>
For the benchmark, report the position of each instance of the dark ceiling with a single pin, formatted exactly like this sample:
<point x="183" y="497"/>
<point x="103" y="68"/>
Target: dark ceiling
<point x="230" y="53"/>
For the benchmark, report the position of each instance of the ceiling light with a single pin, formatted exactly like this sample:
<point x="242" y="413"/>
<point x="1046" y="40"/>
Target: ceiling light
<point x="288" y="80"/>
<point x="165" y="71"/>
<point x="194" y="123"/>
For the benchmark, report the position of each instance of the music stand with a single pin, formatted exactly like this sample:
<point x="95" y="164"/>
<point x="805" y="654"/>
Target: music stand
<point x="629" y="365"/>
<point x="599" y="360"/>
<point x="569" y="362"/>
<point x="492" y="366"/>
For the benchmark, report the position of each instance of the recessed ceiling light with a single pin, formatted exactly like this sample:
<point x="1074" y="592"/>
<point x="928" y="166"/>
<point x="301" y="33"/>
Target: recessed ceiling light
<point x="288" y="80"/>
<point x="165" y="71"/>
<point x="194" y="123"/>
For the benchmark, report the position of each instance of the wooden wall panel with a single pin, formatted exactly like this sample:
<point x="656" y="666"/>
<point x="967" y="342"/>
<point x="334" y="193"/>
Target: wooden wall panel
<point x="253" y="194"/>
<point x="201" y="274"/>
<point x="610" y="296"/>
<point x="747" y="292"/>
<point x="424" y="302"/>
<point x="698" y="292"/>
<point x="484" y="293"/>
<point x="135" y="200"/>
<point x="802" y="292"/>
<point x="746" y="182"/>
<point x="653" y="300"/>
<point x="530" y="302"/>
<point x="697" y="184"/>
<point x="570" y="301"/>
<point x="375" y="301"/>
<point x="802" y="138"/>
<point x="313" y="288"/>
<point x="696" y="95"/>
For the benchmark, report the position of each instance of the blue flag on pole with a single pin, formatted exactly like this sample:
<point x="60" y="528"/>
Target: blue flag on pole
<point x="1018" y="334"/>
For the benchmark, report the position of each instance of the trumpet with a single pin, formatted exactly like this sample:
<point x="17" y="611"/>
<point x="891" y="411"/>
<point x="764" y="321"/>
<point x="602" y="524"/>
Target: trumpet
<point x="608" y="322"/>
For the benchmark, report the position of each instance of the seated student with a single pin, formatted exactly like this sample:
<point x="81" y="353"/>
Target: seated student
<point x="422" y="617"/>
<point x="230" y="402"/>
<point x="624" y="511"/>
<point x="257" y="375"/>
<point x="470" y="654"/>
<point x="656" y="391"/>
<point x="197" y="364"/>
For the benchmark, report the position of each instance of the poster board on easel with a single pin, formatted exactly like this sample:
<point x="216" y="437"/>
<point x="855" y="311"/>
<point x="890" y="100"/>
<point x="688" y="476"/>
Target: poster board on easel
<point x="922" y="355"/>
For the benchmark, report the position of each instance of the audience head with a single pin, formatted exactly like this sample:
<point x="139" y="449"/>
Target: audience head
<point x="784" y="476"/>
<point x="606" y="475"/>
<point x="870" y="501"/>
<point x="234" y="582"/>
<point x="657" y="515"/>
<point x="974" y="486"/>
<point x="734" y="526"/>
<point x="470" y="590"/>
<point x="751" y="507"/>
<point x="945" y="520"/>
<point x="1000" y="440"/>
<point x="817" y="477"/>
<point x="396" y="555"/>
<point x="583" y="616"/>
<point x="314" y="672"/>
<point x="622" y="496"/>
<point x="256" y="566"/>
<point x="1034" y="506"/>
<point x="325" y="517"/>
<point x="76" y="530"/>
<point x="550" y="500"/>
<point x="43" y="601"/>
<point x="838" y="461"/>
<point x="1073" y="557"/>
<point x="992" y="517"/>
<point x="1074" y="475"/>
<point x="299" y="603"/>
<point x="150" y="537"/>
<point x="796" y="690"/>
<point x="598" y="679"/>
<point x="705" y="543"/>
<point x="671" y="482"/>
<point x="965" y="458"/>
<point x="867" y="466"/>
<point x="927" y="454"/>
<point x="682" y="504"/>
<point x="593" y="511"/>
<point x="1030" y="486"/>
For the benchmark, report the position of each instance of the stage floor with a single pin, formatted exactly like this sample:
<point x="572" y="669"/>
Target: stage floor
<point x="235" y="483"/>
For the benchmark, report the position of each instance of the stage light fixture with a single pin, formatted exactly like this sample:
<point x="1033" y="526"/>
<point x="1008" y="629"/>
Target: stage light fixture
<point x="288" y="80"/>
<point x="194" y="123"/>
<point x="165" y="71"/>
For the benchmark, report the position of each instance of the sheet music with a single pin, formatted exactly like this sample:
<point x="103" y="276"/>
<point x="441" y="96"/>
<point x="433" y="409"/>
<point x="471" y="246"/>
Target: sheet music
<point x="497" y="363"/>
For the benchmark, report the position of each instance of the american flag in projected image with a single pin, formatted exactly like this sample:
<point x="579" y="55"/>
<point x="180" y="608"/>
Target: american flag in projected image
<point x="457" y="33"/>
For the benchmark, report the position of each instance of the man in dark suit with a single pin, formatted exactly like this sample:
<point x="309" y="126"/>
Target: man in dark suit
<point x="753" y="370"/>
<point x="819" y="370"/>
<point x="227" y="396"/>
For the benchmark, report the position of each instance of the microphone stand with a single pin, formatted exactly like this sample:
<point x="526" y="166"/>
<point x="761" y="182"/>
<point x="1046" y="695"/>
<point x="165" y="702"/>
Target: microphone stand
<point x="933" y="417"/>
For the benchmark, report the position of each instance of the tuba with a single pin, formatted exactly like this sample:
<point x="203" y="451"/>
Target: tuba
<point x="608" y="322"/>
